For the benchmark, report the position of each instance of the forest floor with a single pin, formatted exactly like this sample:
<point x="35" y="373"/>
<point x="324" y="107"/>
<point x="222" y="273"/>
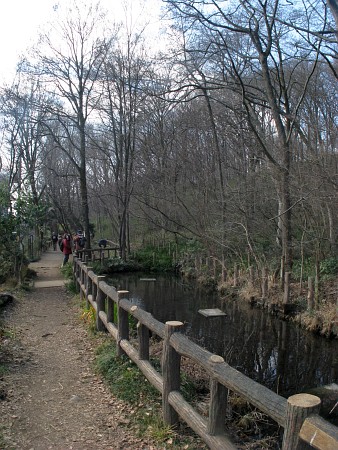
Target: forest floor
<point x="50" y="396"/>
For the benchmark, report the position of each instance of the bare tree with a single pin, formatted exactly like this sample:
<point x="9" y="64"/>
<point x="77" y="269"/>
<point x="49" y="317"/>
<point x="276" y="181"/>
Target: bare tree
<point x="249" y="51"/>
<point x="333" y="4"/>
<point x="125" y="71"/>
<point x="70" y="60"/>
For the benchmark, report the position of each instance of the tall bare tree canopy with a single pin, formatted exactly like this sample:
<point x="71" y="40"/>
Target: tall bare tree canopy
<point x="70" y="66"/>
<point x="227" y="136"/>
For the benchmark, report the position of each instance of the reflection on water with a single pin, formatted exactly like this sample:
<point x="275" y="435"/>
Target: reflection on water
<point x="275" y="353"/>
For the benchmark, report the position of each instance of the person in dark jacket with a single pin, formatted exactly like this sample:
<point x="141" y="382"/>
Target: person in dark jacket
<point x="54" y="240"/>
<point x="102" y="243"/>
<point x="79" y="242"/>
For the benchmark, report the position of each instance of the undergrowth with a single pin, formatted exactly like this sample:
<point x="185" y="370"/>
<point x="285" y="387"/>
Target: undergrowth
<point x="67" y="272"/>
<point x="128" y="383"/>
<point x="321" y="321"/>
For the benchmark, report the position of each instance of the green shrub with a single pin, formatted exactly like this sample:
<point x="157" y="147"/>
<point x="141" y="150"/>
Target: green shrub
<point x="67" y="270"/>
<point x="154" y="259"/>
<point x="308" y="268"/>
<point x="329" y="267"/>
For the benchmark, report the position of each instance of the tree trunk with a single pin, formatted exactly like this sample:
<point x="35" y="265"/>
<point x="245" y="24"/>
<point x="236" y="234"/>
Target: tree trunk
<point x="83" y="182"/>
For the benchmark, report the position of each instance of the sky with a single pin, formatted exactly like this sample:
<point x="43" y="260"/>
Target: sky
<point x="19" y="24"/>
<point x="21" y="20"/>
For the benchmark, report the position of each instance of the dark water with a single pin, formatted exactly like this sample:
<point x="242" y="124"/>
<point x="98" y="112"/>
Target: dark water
<point x="277" y="354"/>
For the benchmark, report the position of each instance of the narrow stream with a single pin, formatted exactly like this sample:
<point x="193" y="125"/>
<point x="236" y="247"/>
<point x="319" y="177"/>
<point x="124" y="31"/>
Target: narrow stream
<point x="276" y="353"/>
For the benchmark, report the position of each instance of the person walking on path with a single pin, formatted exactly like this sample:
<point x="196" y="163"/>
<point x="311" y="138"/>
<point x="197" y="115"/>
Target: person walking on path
<point x="79" y="242"/>
<point x="66" y="248"/>
<point x="54" y="240"/>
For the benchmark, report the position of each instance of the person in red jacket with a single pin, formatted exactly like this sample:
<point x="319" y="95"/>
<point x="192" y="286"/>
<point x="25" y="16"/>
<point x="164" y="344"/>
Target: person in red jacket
<point x="66" y="248"/>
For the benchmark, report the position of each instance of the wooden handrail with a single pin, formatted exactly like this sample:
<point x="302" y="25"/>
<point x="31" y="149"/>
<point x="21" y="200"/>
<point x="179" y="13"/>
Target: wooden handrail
<point x="319" y="433"/>
<point x="263" y="398"/>
<point x="297" y="415"/>
<point x="97" y="253"/>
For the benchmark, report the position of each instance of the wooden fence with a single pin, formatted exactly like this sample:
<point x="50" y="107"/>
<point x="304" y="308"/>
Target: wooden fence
<point x="97" y="254"/>
<point x="298" y="415"/>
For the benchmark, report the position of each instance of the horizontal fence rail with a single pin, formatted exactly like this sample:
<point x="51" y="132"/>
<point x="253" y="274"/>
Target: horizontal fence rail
<point x="97" y="254"/>
<point x="298" y="415"/>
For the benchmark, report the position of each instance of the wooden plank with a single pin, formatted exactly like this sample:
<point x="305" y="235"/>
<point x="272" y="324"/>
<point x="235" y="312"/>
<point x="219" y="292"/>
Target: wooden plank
<point x="110" y="291"/>
<point x="143" y="341"/>
<point x="144" y="317"/>
<point x="171" y="367"/>
<point x="212" y="312"/>
<point x="122" y="322"/>
<point x="198" y="423"/>
<point x="319" y="433"/>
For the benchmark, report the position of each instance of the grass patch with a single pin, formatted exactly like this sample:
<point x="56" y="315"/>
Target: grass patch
<point x="88" y="316"/>
<point x="71" y="287"/>
<point x="124" y="378"/>
<point x="67" y="272"/>
<point x="128" y="383"/>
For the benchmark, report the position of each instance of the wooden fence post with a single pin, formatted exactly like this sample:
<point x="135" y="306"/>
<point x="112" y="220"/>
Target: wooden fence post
<point x="143" y="341"/>
<point x="82" y="281"/>
<point x="110" y="310"/>
<point x="298" y="408"/>
<point x="171" y="364"/>
<point x="218" y="400"/>
<point x="100" y="305"/>
<point x="122" y="322"/>
<point x="89" y="286"/>
<point x="75" y="274"/>
<point x="94" y="288"/>
<point x="78" y="274"/>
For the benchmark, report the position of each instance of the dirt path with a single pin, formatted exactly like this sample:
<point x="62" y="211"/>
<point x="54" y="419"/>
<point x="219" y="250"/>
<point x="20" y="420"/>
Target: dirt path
<point x="50" y="396"/>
